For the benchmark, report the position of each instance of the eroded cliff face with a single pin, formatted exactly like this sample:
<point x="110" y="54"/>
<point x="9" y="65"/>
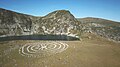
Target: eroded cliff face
<point x="12" y="23"/>
<point x="58" y="22"/>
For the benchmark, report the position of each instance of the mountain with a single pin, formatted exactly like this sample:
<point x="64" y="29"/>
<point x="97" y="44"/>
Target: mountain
<point x="105" y="28"/>
<point x="12" y="23"/>
<point x="58" y="22"/>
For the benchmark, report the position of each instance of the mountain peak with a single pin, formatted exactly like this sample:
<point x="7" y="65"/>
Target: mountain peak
<point x="62" y="11"/>
<point x="60" y="14"/>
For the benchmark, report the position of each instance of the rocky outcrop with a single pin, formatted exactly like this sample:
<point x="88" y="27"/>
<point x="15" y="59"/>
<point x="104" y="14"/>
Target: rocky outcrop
<point x="60" y="22"/>
<point x="12" y="23"/>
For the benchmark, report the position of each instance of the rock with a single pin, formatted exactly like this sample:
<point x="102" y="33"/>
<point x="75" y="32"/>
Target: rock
<point x="59" y="58"/>
<point x="60" y="22"/>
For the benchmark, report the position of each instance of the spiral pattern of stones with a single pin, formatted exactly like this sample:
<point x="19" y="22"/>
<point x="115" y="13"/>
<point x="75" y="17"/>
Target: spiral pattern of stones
<point x="42" y="49"/>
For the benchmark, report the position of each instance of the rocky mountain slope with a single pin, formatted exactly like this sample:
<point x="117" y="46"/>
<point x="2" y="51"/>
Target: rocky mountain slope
<point x="12" y="23"/>
<point x="105" y="28"/>
<point x="60" y="22"/>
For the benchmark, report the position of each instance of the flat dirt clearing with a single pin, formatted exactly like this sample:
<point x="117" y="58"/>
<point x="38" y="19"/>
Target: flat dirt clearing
<point x="87" y="53"/>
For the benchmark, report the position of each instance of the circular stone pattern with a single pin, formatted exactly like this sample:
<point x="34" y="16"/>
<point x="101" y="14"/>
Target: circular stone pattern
<point x="42" y="49"/>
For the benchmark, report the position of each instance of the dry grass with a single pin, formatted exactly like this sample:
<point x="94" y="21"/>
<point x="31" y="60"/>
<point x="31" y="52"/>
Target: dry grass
<point x="94" y="52"/>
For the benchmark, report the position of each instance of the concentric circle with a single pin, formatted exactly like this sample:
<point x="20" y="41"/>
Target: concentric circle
<point x="42" y="49"/>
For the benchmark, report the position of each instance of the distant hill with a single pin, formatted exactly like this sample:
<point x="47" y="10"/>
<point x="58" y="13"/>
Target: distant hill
<point x="99" y="21"/>
<point x="105" y="28"/>
<point x="60" y="22"/>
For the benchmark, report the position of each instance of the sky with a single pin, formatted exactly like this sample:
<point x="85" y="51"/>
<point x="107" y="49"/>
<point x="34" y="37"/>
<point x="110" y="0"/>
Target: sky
<point x="107" y="9"/>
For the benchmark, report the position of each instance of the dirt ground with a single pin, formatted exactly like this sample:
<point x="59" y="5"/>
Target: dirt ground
<point x="90" y="52"/>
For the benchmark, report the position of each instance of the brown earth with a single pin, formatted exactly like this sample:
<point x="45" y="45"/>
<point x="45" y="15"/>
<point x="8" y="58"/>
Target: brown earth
<point x="90" y="52"/>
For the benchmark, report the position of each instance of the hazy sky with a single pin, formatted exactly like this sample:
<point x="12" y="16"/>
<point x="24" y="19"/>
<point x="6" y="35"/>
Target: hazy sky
<point x="108" y="9"/>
